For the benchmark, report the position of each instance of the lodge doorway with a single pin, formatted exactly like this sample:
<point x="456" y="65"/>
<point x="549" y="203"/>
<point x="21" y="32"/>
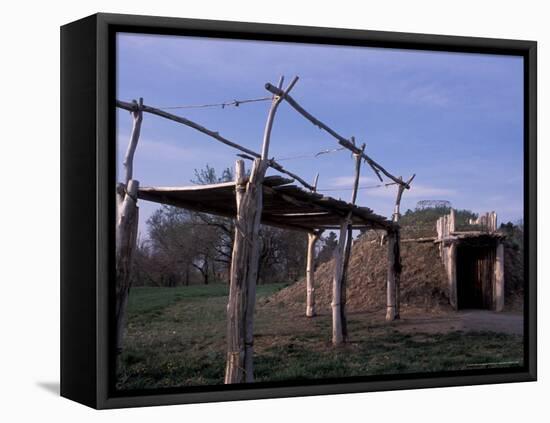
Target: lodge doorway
<point x="475" y="266"/>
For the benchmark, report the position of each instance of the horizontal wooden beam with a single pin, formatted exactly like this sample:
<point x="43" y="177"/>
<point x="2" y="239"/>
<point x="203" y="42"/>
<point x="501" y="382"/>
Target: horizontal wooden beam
<point x="179" y="119"/>
<point x="226" y="212"/>
<point x="344" y="142"/>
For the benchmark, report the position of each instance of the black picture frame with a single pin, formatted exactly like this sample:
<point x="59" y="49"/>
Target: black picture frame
<point x="87" y="206"/>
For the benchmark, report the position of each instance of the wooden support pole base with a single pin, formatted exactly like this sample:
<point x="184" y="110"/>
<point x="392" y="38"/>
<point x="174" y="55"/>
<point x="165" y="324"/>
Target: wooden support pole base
<point x="244" y="272"/>
<point x="337" y="323"/>
<point x="394" y="270"/>
<point x="310" y="274"/>
<point x="391" y="313"/>
<point x="126" y="235"/>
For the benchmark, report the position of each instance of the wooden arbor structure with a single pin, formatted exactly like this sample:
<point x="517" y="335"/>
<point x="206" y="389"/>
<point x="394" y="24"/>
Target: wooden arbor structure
<point x="253" y="199"/>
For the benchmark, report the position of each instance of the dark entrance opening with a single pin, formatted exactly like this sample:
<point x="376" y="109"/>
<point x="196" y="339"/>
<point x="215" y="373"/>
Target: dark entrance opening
<point x="475" y="274"/>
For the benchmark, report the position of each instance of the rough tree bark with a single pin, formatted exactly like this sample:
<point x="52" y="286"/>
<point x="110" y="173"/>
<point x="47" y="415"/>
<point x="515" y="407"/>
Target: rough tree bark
<point x="394" y="269"/>
<point x="394" y="258"/>
<point x="128" y="163"/>
<point x="499" y="277"/>
<point x="310" y="273"/>
<point x="126" y="234"/>
<point x="245" y="258"/>
<point x="349" y="243"/>
<point x="126" y="226"/>
<point x="244" y="268"/>
<point x="337" y="333"/>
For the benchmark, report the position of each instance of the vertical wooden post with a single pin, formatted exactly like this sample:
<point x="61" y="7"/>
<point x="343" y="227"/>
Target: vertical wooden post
<point x="348" y="244"/>
<point x="244" y="261"/>
<point x="126" y="234"/>
<point x="244" y="269"/>
<point x="394" y="275"/>
<point x="452" y="221"/>
<point x="255" y="189"/>
<point x="391" y="293"/>
<point x="128" y="163"/>
<point x="310" y="273"/>
<point x="126" y="227"/>
<point x="451" y="274"/>
<point x="236" y="301"/>
<point x="499" y="278"/>
<point x="337" y="334"/>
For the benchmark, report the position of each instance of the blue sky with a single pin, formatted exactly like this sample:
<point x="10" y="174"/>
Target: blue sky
<point x="456" y="120"/>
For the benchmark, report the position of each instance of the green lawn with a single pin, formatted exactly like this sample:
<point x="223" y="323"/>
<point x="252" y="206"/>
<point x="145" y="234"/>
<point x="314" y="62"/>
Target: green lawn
<point x="176" y="337"/>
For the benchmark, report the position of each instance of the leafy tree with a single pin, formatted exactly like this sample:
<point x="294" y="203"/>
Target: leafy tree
<point x="185" y="246"/>
<point x="328" y="245"/>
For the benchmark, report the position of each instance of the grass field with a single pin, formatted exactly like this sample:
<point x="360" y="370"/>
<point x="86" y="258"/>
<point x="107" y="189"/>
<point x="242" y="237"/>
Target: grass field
<point x="176" y="337"/>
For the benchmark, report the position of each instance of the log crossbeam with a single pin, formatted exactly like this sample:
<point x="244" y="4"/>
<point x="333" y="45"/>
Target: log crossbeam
<point x="344" y="142"/>
<point x="249" y="154"/>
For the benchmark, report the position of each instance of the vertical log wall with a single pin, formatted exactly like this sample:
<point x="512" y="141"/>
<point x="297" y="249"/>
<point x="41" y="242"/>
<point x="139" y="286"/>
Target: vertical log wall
<point x="499" y="278"/>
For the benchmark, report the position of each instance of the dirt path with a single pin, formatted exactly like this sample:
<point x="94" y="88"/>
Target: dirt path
<point x="466" y="320"/>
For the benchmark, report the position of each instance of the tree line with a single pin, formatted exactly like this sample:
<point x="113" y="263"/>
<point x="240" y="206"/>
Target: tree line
<point x="184" y="247"/>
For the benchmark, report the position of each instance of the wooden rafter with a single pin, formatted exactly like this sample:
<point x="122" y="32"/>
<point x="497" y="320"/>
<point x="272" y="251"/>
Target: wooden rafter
<point x="213" y="134"/>
<point x="344" y="142"/>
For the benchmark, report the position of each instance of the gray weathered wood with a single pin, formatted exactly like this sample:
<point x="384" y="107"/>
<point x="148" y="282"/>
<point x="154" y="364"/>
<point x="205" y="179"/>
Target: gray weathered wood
<point x="126" y="234"/>
<point x="400" y="190"/>
<point x="243" y="274"/>
<point x="394" y="259"/>
<point x="337" y="334"/>
<point x="254" y="191"/>
<point x="271" y="116"/>
<point x="349" y="244"/>
<point x="237" y="286"/>
<point x="213" y="134"/>
<point x="312" y="239"/>
<point x="315" y="181"/>
<point x="391" y="293"/>
<point x="341" y="140"/>
<point x="244" y="263"/>
<point x="128" y="163"/>
<point x="449" y="253"/>
<point x="499" y="277"/>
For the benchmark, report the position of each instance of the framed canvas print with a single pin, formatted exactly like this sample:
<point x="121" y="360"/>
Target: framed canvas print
<point x="256" y="211"/>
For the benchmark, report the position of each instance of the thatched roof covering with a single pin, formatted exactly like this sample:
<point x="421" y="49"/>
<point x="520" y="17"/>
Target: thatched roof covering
<point x="284" y="205"/>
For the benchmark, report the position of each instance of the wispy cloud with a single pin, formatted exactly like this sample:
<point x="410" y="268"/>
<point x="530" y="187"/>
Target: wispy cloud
<point x="347" y="181"/>
<point x="430" y="94"/>
<point x="367" y="182"/>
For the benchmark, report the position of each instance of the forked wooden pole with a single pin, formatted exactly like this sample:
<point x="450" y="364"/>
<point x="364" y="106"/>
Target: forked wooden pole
<point x="341" y="140"/>
<point x="126" y="226"/>
<point x="349" y="243"/>
<point x="128" y="163"/>
<point x="394" y="259"/>
<point x="213" y="134"/>
<point x="244" y="262"/>
<point x="126" y="234"/>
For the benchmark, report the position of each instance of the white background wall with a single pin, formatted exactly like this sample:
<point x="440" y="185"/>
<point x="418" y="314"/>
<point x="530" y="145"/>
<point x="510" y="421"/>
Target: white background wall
<point x="29" y="177"/>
